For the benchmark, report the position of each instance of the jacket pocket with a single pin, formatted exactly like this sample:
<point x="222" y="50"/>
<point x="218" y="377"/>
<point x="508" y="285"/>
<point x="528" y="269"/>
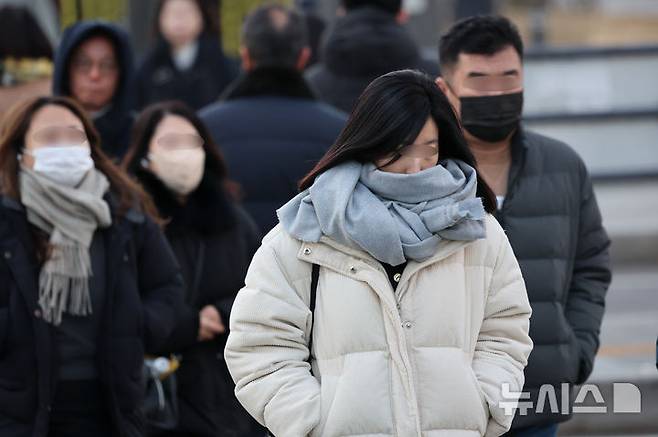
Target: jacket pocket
<point x="574" y="357"/>
<point x="449" y="393"/>
<point x="353" y="390"/>
<point x="483" y="399"/>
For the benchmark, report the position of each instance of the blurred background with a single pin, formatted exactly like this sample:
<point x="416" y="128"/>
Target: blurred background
<point x="591" y="70"/>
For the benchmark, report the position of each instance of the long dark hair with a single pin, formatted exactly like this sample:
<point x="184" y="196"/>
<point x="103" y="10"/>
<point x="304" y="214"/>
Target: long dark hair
<point x="145" y="126"/>
<point x="390" y="113"/>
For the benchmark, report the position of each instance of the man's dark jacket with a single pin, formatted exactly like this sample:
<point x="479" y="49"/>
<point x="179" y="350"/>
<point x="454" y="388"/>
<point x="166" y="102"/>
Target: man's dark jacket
<point x="553" y="223"/>
<point x="271" y="131"/>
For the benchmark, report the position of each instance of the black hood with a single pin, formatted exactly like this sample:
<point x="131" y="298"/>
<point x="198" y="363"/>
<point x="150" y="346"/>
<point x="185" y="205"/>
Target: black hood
<point x="114" y="125"/>
<point x="369" y="42"/>
<point x="78" y="33"/>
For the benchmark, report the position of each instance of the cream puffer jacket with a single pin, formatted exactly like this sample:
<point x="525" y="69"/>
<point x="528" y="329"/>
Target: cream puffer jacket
<point x="427" y="360"/>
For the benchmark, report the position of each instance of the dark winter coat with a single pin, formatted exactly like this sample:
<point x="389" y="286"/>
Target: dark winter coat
<point x="158" y="79"/>
<point x="142" y="295"/>
<point x="214" y="240"/>
<point x="271" y="131"/>
<point x="553" y="222"/>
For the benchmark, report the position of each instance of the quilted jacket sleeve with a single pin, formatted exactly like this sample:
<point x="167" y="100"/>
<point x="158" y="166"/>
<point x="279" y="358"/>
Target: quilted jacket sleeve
<point x="503" y="343"/>
<point x="267" y="350"/>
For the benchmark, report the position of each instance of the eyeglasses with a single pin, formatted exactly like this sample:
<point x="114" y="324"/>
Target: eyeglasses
<point x="64" y="135"/>
<point x="174" y="141"/>
<point x="85" y="65"/>
<point x="429" y="149"/>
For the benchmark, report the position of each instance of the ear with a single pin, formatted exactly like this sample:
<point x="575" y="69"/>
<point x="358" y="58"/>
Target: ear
<point x="441" y="83"/>
<point x="247" y="63"/>
<point x="302" y="60"/>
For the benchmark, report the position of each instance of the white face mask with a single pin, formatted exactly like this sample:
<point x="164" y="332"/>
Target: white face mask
<point x="64" y="164"/>
<point x="180" y="170"/>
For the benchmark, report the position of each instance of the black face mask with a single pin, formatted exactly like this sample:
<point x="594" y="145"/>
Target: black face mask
<point x="491" y="118"/>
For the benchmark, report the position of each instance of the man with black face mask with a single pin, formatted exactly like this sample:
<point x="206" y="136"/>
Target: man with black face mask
<point x="548" y="209"/>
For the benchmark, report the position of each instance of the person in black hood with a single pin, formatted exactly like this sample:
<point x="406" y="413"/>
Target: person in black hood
<point x="269" y="125"/>
<point x="187" y="62"/>
<point x="213" y="238"/>
<point x="94" y="66"/>
<point x="365" y="43"/>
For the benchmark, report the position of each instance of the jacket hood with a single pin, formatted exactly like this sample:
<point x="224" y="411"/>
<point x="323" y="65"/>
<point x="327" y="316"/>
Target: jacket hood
<point x="72" y="38"/>
<point x="369" y="42"/>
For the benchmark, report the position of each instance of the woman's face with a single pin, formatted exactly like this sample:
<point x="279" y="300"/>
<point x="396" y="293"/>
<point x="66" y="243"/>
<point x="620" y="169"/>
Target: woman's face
<point x="53" y="126"/>
<point x="180" y="22"/>
<point x="420" y="155"/>
<point x="174" y="133"/>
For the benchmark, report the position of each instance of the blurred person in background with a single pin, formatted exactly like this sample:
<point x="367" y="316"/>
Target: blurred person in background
<point x="367" y="40"/>
<point x="315" y="26"/>
<point x="269" y="126"/>
<point x="174" y="158"/>
<point x="545" y="204"/>
<point x="94" y="66"/>
<point x="420" y="310"/>
<point x="88" y="282"/>
<point x="187" y="63"/>
<point x="25" y="57"/>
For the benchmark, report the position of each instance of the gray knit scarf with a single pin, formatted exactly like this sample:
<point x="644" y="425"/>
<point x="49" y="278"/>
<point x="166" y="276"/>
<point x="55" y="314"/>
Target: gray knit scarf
<point x="70" y="216"/>
<point x="394" y="217"/>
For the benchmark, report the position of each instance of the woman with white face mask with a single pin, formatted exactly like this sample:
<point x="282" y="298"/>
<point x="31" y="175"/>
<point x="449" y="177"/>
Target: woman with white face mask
<point x="174" y="158"/>
<point x="88" y="282"/>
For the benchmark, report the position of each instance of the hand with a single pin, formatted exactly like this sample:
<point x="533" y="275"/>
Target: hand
<point x="210" y="323"/>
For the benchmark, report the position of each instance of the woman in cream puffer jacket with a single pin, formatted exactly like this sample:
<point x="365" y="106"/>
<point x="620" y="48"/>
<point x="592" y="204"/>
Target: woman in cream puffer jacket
<point x="437" y="350"/>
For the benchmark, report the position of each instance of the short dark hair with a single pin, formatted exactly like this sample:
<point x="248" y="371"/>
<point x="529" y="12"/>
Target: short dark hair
<point x="479" y="35"/>
<point x="274" y="35"/>
<point x="392" y="6"/>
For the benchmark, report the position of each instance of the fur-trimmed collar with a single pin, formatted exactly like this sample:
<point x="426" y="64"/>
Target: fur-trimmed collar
<point x="269" y="81"/>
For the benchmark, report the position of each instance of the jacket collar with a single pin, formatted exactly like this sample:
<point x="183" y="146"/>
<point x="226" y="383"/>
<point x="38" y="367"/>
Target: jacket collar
<point x="348" y="260"/>
<point x="270" y="81"/>
<point x="361" y="266"/>
<point x="519" y="146"/>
